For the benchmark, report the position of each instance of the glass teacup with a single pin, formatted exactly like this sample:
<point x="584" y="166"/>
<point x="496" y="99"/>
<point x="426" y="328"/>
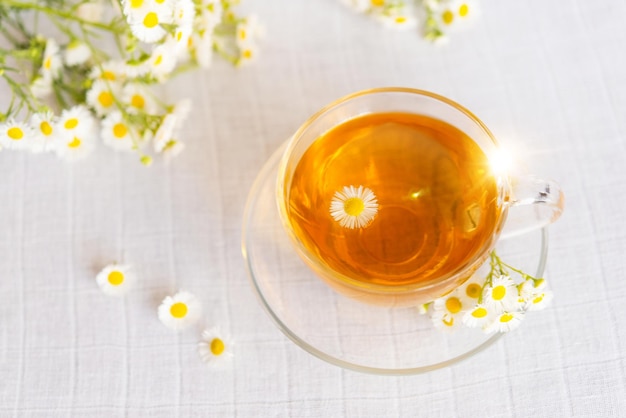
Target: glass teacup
<point x="394" y="196"/>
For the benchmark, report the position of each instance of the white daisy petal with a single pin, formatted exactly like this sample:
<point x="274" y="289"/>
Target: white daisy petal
<point x="535" y="295"/>
<point x="165" y="131"/>
<point x="479" y="316"/>
<point x="117" y="133"/>
<point x="115" y="279"/>
<point x="146" y="23"/>
<point x="137" y="99"/>
<point x="77" y="133"/>
<point x="354" y="207"/>
<point x="76" y="53"/>
<point x="505" y="322"/>
<point x="180" y="311"/>
<point x="16" y="135"/>
<point x="112" y="71"/>
<point x="184" y="12"/>
<point x="448" y="311"/>
<point x="216" y="348"/>
<point x="101" y="96"/>
<point x="51" y="63"/>
<point x="502" y="294"/>
<point x="163" y="59"/>
<point x="46" y="133"/>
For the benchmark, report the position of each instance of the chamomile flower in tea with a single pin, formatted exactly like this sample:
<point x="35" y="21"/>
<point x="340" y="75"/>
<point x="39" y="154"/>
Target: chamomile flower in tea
<point x="354" y="207"/>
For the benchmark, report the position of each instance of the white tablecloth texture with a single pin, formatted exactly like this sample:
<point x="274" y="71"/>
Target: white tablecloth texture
<point x="548" y="77"/>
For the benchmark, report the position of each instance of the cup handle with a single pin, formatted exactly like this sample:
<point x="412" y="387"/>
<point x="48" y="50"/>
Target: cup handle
<point x="533" y="203"/>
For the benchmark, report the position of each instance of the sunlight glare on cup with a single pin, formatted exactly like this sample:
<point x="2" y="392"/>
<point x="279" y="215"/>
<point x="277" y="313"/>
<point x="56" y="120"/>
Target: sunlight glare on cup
<point x="501" y="161"/>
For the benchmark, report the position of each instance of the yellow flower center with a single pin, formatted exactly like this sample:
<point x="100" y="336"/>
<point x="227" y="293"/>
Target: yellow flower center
<point x="120" y="130"/>
<point x="48" y="63"/>
<point x="108" y="75"/>
<point x="210" y="7"/>
<point x="498" y="292"/>
<point x="178" y="310"/>
<point x="151" y="20"/>
<point x="116" y="278"/>
<point x="448" y="322"/>
<point x="538" y="282"/>
<point x="453" y="305"/>
<point x="158" y="60"/>
<point x="463" y="10"/>
<point x="354" y="206"/>
<point x="447" y="17"/>
<point x="71" y="123"/>
<point x="538" y="299"/>
<point x="75" y="143"/>
<point x="105" y="98"/>
<point x="217" y="346"/>
<point x="137" y="101"/>
<point x="473" y="290"/>
<point x="179" y="36"/>
<point x="479" y="313"/>
<point x="15" y="133"/>
<point x="378" y="3"/>
<point x="243" y="34"/>
<point x="159" y="1"/>
<point x="135" y="4"/>
<point x="400" y="19"/>
<point x="247" y="54"/>
<point x="506" y="317"/>
<point x="45" y="128"/>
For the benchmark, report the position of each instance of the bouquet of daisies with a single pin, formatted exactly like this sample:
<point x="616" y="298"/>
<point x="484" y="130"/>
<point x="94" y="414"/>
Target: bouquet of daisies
<point x="95" y="79"/>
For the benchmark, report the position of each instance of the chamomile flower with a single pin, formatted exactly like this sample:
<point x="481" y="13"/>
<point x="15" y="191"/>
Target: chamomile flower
<point x="146" y="23"/>
<point x="45" y="133"/>
<point x="181" y="40"/>
<point x="472" y="288"/>
<point x="211" y="12"/>
<point x="112" y="71"/>
<point x="133" y="9"/>
<point x="76" y="53"/>
<point x="165" y="131"/>
<point x="51" y="63"/>
<point x="479" y="316"/>
<point x="455" y="14"/>
<point x="400" y="21"/>
<point x="76" y="120"/>
<point x="535" y="295"/>
<point x="502" y="294"/>
<point x="505" y="322"/>
<point x="41" y="87"/>
<point x="101" y="96"/>
<point x="448" y="311"/>
<point x="184" y="12"/>
<point x="16" y="135"/>
<point x="354" y="207"/>
<point x="215" y="348"/>
<point x="76" y="147"/>
<point x="247" y="54"/>
<point x="76" y="133"/>
<point x="179" y="311"/>
<point x="137" y="99"/>
<point x="162" y="60"/>
<point x="117" y="133"/>
<point x="115" y="279"/>
<point x="248" y="31"/>
<point x="172" y="149"/>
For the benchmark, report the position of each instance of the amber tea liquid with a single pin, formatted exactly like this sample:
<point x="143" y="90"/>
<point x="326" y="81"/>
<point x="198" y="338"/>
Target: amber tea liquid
<point x="437" y="199"/>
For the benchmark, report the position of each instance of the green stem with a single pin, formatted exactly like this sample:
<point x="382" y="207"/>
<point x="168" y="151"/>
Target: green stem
<point x="60" y="13"/>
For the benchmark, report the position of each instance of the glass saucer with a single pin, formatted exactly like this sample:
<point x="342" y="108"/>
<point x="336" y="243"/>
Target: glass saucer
<point x="342" y="331"/>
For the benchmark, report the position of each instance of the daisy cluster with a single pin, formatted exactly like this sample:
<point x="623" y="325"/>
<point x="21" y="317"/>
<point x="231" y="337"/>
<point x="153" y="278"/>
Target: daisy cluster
<point x="68" y="96"/>
<point x="176" y="312"/>
<point x="434" y="18"/>
<point x="497" y="303"/>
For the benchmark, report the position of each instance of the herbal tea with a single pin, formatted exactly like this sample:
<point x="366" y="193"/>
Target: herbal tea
<point x="394" y="199"/>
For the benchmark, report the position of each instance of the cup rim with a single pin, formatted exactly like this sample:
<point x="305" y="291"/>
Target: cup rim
<point x="339" y="277"/>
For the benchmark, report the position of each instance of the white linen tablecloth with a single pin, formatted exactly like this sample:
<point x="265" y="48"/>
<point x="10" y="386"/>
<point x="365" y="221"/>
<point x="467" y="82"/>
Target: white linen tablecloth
<point x="547" y="76"/>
